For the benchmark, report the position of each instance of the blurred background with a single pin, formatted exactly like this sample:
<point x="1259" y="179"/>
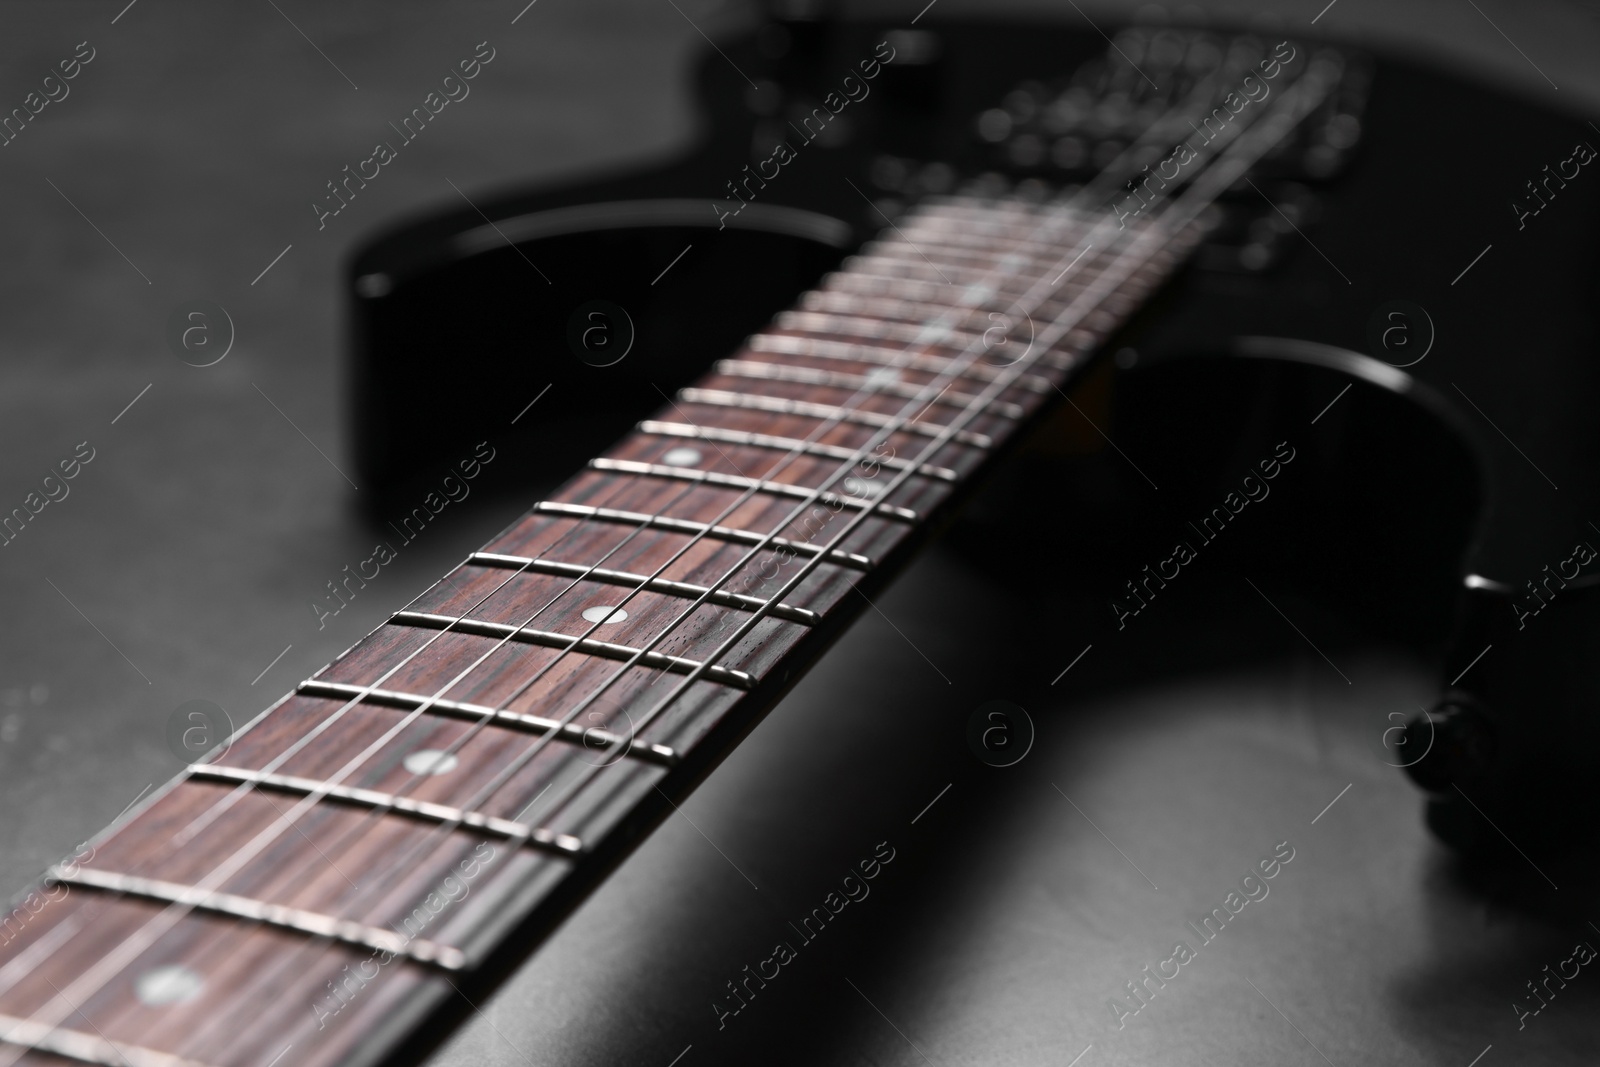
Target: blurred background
<point x="183" y="165"/>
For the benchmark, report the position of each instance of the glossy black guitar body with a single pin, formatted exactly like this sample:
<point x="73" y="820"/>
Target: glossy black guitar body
<point x="1409" y="242"/>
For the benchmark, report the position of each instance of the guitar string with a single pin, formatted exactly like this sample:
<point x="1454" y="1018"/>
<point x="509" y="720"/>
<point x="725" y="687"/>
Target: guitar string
<point x="863" y="514"/>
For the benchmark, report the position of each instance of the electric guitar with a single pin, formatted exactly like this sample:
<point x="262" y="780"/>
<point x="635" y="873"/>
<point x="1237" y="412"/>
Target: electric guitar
<point x="918" y="259"/>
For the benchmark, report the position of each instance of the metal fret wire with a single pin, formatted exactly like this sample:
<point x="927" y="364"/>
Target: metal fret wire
<point x="739" y="481"/>
<point x="898" y="480"/>
<point x="92" y="1048"/>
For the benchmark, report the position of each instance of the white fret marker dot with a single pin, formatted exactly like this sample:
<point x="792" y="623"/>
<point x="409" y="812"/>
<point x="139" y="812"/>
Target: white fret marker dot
<point x="862" y="487"/>
<point x="682" y="457"/>
<point x="168" y="985"/>
<point x="883" y="376"/>
<point x="605" y="614"/>
<point x="431" y="761"/>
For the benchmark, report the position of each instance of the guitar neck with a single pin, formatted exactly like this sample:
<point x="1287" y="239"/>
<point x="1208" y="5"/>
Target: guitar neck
<point x="460" y="778"/>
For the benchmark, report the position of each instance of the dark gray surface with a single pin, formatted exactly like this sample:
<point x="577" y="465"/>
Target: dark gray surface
<point x="195" y="540"/>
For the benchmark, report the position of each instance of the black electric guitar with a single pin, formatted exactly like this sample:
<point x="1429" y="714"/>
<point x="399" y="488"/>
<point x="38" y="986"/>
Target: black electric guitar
<point x="927" y="256"/>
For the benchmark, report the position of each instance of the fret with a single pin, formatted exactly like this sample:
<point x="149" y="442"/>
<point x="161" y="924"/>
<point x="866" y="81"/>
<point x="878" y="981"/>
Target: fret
<point x="586" y="645"/>
<point x="688" y="526"/>
<point x="789" y="444"/>
<point x="978" y="280"/>
<point x="736" y="481"/>
<point x="1042" y="236"/>
<point x="920" y="299"/>
<point x="376" y="799"/>
<point x="832" y="412"/>
<point x="950" y="273"/>
<point x="591" y="737"/>
<point x="901" y="309"/>
<point x="259" y="911"/>
<point x="901" y="299"/>
<point x="84" y="1047"/>
<point x="948" y="286"/>
<point x="1017" y="271"/>
<point x="929" y="334"/>
<point x="1021" y="236"/>
<point x="932" y="332"/>
<point x="915" y="298"/>
<point x="782" y="372"/>
<point x="861" y="352"/>
<point x="1008" y="249"/>
<point x="998" y="263"/>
